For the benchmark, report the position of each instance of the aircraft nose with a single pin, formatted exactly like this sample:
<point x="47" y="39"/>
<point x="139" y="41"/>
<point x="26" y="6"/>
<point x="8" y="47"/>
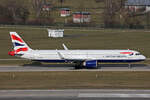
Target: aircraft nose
<point x="143" y="57"/>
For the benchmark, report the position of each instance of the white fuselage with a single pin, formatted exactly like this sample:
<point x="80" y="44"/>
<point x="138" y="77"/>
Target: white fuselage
<point x="86" y="58"/>
<point x="99" y="55"/>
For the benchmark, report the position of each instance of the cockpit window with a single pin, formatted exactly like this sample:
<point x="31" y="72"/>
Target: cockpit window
<point x="137" y="54"/>
<point x="131" y="54"/>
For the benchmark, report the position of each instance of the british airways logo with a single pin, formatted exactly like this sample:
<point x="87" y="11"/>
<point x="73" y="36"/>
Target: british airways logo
<point x="18" y="44"/>
<point x="21" y="49"/>
<point x="16" y="38"/>
<point x="126" y="52"/>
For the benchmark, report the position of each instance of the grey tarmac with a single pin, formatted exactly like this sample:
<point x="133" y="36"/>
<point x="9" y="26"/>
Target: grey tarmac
<point x="77" y="94"/>
<point x="67" y="67"/>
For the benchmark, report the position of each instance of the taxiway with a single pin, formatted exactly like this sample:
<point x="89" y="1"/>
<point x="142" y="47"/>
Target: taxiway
<point x="79" y="94"/>
<point x="57" y="67"/>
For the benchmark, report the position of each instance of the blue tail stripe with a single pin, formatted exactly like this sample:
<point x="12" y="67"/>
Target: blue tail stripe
<point x="18" y="44"/>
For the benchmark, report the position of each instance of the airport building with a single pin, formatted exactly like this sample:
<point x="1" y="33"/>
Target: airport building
<point x="46" y="7"/>
<point x="138" y="5"/>
<point x="81" y="17"/>
<point x="64" y="12"/>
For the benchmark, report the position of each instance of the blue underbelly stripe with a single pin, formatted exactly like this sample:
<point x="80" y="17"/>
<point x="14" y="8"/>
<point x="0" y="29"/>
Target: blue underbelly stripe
<point x="62" y="61"/>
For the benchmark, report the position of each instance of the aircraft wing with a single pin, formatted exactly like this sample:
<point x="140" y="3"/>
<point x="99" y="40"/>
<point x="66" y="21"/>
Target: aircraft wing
<point x="75" y="58"/>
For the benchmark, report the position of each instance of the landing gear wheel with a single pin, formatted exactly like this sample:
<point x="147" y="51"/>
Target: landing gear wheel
<point x="36" y="63"/>
<point x="78" y="65"/>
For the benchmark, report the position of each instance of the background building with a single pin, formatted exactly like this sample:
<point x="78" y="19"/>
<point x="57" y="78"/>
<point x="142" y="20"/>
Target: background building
<point x="64" y="12"/>
<point x="138" y="5"/>
<point x="81" y="17"/>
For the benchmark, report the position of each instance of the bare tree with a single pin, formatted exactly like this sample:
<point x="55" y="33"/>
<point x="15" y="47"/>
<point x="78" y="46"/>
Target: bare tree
<point x="37" y="6"/>
<point x="12" y="6"/>
<point x="17" y="10"/>
<point x="112" y="11"/>
<point x="5" y="15"/>
<point x="61" y="1"/>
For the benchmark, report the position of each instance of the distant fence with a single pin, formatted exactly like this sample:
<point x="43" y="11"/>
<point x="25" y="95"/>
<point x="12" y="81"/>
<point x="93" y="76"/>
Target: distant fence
<point x="50" y="27"/>
<point x="71" y="27"/>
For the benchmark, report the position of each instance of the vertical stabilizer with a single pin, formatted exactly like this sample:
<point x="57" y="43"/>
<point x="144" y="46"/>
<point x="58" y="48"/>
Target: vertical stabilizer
<point x="19" y="45"/>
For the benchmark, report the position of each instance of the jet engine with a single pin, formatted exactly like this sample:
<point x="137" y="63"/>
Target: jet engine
<point x="90" y="64"/>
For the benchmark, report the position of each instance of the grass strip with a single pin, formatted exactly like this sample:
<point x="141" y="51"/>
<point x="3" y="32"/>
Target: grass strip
<point x="75" y="80"/>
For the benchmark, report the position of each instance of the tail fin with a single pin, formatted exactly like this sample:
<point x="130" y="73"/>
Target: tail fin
<point x="20" y="46"/>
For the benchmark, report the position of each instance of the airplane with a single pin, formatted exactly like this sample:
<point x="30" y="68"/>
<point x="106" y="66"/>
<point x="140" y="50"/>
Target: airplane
<point x="81" y="58"/>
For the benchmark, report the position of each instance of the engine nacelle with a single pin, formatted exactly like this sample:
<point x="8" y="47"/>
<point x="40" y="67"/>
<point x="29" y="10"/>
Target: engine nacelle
<point x="90" y="64"/>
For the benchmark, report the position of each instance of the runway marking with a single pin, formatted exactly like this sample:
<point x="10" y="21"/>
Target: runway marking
<point x="80" y="93"/>
<point x="67" y="69"/>
<point x="113" y="95"/>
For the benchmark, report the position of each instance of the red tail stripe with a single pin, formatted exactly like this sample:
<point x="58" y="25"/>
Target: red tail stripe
<point x="16" y="38"/>
<point x="21" y="49"/>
